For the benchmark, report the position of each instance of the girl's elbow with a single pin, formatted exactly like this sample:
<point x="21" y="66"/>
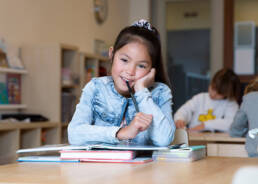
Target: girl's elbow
<point x="73" y="137"/>
<point x="166" y="141"/>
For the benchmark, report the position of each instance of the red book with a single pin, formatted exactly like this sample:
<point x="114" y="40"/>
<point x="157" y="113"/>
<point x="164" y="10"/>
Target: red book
<point x="137" y="160"/>
<point x="97" y="154"/>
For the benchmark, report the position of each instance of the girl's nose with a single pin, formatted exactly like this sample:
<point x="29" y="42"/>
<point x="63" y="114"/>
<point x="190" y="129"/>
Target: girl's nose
<point x="130" y="70"/>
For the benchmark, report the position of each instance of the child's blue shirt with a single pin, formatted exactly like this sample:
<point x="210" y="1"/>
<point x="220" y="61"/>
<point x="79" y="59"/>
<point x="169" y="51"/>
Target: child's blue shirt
<point x="101" y="109"/>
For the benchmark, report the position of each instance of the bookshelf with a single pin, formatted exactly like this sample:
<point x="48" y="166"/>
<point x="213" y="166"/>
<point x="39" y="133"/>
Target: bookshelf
<point x="15" y="135"/>
<point x="53" y="70"/>
<point x="66" y="75"/>
<point x="90" y="65"/>
<point x="54" y="77"/>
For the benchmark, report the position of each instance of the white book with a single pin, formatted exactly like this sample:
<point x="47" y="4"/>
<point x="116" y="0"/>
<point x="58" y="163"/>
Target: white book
<point x="98" y="154"/>
<point x="190" y="153"/>
<point x="59" y="147"/>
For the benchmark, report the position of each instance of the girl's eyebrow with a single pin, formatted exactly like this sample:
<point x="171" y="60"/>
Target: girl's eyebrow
<point x="126" y="55"/>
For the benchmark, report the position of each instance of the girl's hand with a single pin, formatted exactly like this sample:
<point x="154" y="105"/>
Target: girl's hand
<point x="180" y="124"/>
<point x="198" y="127"/>
<point x="140" y="123"/>
<point x="145" y="81"/>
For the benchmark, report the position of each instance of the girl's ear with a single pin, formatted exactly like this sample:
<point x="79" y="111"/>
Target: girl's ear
<point x="110" y="52"/>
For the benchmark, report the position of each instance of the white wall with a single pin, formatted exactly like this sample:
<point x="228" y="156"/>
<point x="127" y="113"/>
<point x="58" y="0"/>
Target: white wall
<point x="64" y="21"/>
<point x="139" y="9"/>
<point x="217" y="36"/>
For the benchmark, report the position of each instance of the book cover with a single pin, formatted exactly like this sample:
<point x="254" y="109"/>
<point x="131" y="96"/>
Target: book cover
<point x="3" y="90"/>
<point x="137" y="160"/>
<point x="190" y="153"/>
<point x="97" y="154"/>
<point x="14" y="88"/>
<point x="45" y="158"/>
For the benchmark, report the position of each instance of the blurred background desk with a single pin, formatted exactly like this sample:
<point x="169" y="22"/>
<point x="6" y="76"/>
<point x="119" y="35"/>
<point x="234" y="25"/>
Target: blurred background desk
<point x="219" y="144"/>
<point x="212" y="170"/>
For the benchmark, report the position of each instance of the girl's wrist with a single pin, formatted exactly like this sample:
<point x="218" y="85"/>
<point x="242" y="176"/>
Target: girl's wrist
<point x="138" y="87"/>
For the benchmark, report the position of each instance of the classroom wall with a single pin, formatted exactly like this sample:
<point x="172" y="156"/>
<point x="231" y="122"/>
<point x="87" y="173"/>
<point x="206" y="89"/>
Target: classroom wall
<point x="64" y="21"/>
<point x="246" y="10"/>
<point x="179" y="15"/>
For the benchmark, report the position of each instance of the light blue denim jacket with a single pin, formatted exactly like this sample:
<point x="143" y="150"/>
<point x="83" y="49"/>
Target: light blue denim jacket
<point x="101" y="109"/>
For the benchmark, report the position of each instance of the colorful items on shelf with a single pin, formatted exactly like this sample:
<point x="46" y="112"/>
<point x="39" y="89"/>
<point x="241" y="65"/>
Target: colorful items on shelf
<point x="10" y="88"/>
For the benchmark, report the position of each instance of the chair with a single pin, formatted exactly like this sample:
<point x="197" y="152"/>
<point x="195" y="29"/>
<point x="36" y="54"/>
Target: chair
<point x="247" y="174"/>
<point x="180" y="137"/>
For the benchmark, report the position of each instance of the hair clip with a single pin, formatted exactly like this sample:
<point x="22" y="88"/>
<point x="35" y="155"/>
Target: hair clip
<point x="144" y="24"/>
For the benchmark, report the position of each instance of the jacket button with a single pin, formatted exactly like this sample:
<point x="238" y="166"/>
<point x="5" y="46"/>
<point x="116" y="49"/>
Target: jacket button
<point x="104" y="115"/>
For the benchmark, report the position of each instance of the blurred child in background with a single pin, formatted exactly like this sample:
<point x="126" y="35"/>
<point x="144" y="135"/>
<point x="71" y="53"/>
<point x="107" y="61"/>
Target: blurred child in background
<point x="246" y="120"/>
<point x="213" y="110"/>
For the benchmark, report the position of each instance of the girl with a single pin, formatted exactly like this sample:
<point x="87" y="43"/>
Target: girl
<point x="214" y="110"/>
<point x="105" y="112"/>
<point x="246" y="119"/>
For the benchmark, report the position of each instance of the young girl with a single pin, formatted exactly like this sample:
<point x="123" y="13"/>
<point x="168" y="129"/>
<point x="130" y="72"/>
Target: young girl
<point x="246" y="119"/>
<point x="106" y="113"/>
<point x="214" y="110"/>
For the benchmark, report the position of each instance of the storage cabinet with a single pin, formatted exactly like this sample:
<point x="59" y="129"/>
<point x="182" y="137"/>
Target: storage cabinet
<point x="14" y="136"/>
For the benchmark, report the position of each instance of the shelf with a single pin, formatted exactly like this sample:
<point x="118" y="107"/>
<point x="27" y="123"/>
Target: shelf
<point x="65" y="124"/>
<point x="20" y="125"/>
<point x="95" y="56"/>
<point x="69" y="47"/>
<point x="11" y="70"/>
<point x="65" y="86"/>
<point x="12" y="106"/>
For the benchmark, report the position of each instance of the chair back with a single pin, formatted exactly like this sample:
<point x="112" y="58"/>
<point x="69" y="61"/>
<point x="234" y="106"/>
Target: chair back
<point x="180" y="137"/>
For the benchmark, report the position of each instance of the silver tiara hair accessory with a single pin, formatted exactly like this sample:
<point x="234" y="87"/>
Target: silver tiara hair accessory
<point x="143" y="23"/>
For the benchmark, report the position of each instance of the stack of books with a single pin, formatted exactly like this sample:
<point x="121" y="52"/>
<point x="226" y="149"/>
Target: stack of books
<point x="108" y="153"/>
<point x="89" y="153"/>
<point x="188" y="154"/>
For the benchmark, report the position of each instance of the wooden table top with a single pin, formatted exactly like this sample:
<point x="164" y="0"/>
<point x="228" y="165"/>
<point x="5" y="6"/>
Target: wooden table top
<point x="209" y="170"/>
<point x="214" y="137"/>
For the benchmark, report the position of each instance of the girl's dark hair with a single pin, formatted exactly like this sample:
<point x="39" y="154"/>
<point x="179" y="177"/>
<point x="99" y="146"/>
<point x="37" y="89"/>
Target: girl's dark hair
<point x="252" y="86"/>
<point x="151" y="39"/>
<point x="226" y="83"/>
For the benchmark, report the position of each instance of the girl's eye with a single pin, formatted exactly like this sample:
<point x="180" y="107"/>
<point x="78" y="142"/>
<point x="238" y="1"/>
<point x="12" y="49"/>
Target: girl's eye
<point x="124" y="60"/>
<point x="142" y="66"/>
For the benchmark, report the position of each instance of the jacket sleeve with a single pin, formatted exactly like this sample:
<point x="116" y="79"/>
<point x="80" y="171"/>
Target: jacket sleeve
<point x="81" y="129"/>
<point x="223" y="124"/>
<point x="239" y="127"/>
<point x="185" y="112"/>
<point x="162" y="129"/>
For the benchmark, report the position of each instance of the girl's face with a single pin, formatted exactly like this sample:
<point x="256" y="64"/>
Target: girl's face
<point x="130" y="63"/>
<point x="214" y="95"/>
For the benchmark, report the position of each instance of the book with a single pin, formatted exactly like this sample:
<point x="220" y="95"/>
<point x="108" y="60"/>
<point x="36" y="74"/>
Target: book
<point x="97" y="154"/>
<point x="91" y="146"/>
<point x="137" y="160"/>
<point x="14" y="88"/>
<point x="45" y="158"/>
<point x="190" y="153"/>
<point x="3" y="90"/>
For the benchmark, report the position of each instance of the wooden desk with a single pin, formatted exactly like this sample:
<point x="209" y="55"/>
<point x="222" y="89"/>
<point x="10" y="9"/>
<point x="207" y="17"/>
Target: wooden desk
<point x="219" y="144"/>
<point x="210" y="170"/>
